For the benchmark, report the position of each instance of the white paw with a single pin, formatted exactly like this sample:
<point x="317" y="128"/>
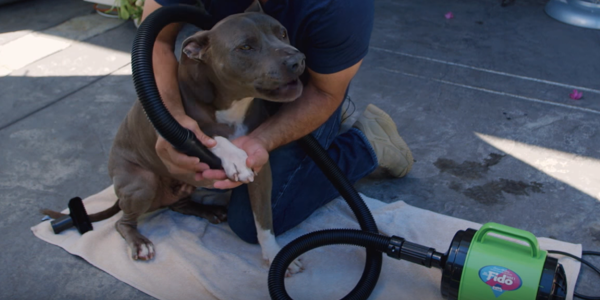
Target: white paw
<point x="270" y="248"/>
<point x="143" y="250"/>
<point x="294" y="267"/>
<point x="233" y="160"/>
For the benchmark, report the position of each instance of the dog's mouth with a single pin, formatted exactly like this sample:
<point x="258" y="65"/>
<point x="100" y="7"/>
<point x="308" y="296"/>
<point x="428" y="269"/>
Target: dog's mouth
<point x="285" y="92"/>
<point x="291" y="84"/>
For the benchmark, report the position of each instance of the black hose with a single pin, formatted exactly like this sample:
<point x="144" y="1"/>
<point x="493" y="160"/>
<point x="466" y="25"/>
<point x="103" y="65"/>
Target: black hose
<point x="374" y="259"/>
<point x="181" y="138"/>
<point x="585" y="262"/>
<point x="375" y="244"/>
<point x="370" y="275"/>
<point x="339" y="180"/>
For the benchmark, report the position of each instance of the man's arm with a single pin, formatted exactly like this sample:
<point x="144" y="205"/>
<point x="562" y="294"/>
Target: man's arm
<point x="322" y="95"/>
<point x="164" y="62"/>
<point x="165" y="66"/>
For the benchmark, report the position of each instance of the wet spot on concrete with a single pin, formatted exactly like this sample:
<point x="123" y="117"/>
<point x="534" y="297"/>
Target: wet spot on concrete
<point x="455" y="186"/>
<point x="595" y="231"/>
<point x="509" y="116"/>
<point x="491" y="192"/>
<point x="468" y="169"/>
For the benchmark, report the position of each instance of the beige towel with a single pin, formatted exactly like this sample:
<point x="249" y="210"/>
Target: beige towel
<point x="198" y="260"/>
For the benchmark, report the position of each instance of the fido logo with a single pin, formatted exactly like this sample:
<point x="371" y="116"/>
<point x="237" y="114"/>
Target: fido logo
<point x="500" y="279"/>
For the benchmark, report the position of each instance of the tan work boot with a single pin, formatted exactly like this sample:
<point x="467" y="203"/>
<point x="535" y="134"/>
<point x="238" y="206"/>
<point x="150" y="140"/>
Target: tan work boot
<point x="392" y="152"/>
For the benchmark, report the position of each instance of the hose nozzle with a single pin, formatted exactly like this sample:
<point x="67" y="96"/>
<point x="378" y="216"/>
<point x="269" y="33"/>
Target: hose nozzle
<point x="77" y="217"/>
<point x="399" y="248"/>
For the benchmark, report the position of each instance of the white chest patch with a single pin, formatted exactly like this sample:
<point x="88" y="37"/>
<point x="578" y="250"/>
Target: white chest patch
<point x="234" y="116"/>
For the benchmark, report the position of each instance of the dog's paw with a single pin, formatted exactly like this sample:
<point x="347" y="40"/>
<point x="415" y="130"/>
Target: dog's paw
<point x="142" y="249"/>
<point x="215" y="214"/>
<point x="139" y="246"/>
<point x="270" y="248"/>
<point x="294" y="267"/>
<point x="233" y="160"/>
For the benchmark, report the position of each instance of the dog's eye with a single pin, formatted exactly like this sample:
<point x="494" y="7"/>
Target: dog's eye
<point x="245" y="47"/>
<point x="284" y="34"/>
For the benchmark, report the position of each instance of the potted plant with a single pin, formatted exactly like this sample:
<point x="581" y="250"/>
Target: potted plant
<point x="124" y="9"/>
<point x="131" y="9"/>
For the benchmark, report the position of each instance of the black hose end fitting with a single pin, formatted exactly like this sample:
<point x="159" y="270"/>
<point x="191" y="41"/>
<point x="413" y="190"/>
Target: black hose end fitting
<point x="77" y="217"/>
<point x="399" y="248"/>
<point x="395" y="247"/>
<point x="193" y="147"/>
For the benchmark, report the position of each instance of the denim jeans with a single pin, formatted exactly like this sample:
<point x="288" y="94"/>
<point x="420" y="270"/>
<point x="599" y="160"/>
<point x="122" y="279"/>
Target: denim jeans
<point x="299" y="186"/>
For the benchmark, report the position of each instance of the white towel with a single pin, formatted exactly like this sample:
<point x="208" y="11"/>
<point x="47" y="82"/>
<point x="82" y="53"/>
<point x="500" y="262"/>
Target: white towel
<point x="198" y="260"/>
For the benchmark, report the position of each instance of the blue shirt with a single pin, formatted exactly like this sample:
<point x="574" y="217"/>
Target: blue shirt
<point x="333" y="34"/>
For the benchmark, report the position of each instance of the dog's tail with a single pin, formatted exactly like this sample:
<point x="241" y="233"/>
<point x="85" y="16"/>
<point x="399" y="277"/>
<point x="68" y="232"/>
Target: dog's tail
<point x="99" y="216"/>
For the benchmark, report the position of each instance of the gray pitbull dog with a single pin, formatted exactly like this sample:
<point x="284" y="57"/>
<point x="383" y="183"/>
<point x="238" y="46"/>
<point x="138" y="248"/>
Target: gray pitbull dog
<point x="222" y="72"/>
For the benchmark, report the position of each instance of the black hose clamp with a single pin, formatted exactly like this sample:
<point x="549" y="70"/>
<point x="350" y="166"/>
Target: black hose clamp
<point x="394" y="249"/>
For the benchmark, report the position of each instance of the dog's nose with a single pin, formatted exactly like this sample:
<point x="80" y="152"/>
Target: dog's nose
<point x="295" y="63"/>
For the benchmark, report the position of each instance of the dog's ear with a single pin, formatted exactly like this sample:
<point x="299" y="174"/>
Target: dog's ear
<point x="195" y="46"/>
<point x="255" y="7"/>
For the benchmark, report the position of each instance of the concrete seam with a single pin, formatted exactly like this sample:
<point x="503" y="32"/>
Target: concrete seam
<point x="489" y="71"/>
<point x="19" y="119"/>
<point x="497" y="92"/>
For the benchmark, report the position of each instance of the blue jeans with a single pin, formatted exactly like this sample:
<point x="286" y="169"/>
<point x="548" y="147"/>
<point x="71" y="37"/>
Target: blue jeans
<point x="299" y="186"/>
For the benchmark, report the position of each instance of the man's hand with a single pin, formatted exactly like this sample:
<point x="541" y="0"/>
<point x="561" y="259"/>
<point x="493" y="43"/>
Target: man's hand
<point x="179" y="163"/>
<point x="257" y="158"/>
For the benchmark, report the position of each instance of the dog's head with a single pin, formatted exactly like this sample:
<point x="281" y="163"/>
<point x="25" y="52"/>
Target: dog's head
<point x="250" y="53"/>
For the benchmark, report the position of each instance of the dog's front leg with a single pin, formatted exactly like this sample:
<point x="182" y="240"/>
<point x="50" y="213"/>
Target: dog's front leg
<point x="260" y="199"/>
<point x="259" y="190"/>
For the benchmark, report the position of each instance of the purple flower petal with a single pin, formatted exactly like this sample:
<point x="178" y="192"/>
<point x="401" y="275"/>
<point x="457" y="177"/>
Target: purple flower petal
<point x="449" y="15"/>
<point x="576" y="95"/>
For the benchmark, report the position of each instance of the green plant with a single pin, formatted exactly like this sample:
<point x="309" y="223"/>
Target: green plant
<point x="131" y="9"/>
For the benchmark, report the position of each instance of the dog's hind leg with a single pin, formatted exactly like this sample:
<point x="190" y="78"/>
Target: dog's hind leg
<point x="213" y="213"/>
